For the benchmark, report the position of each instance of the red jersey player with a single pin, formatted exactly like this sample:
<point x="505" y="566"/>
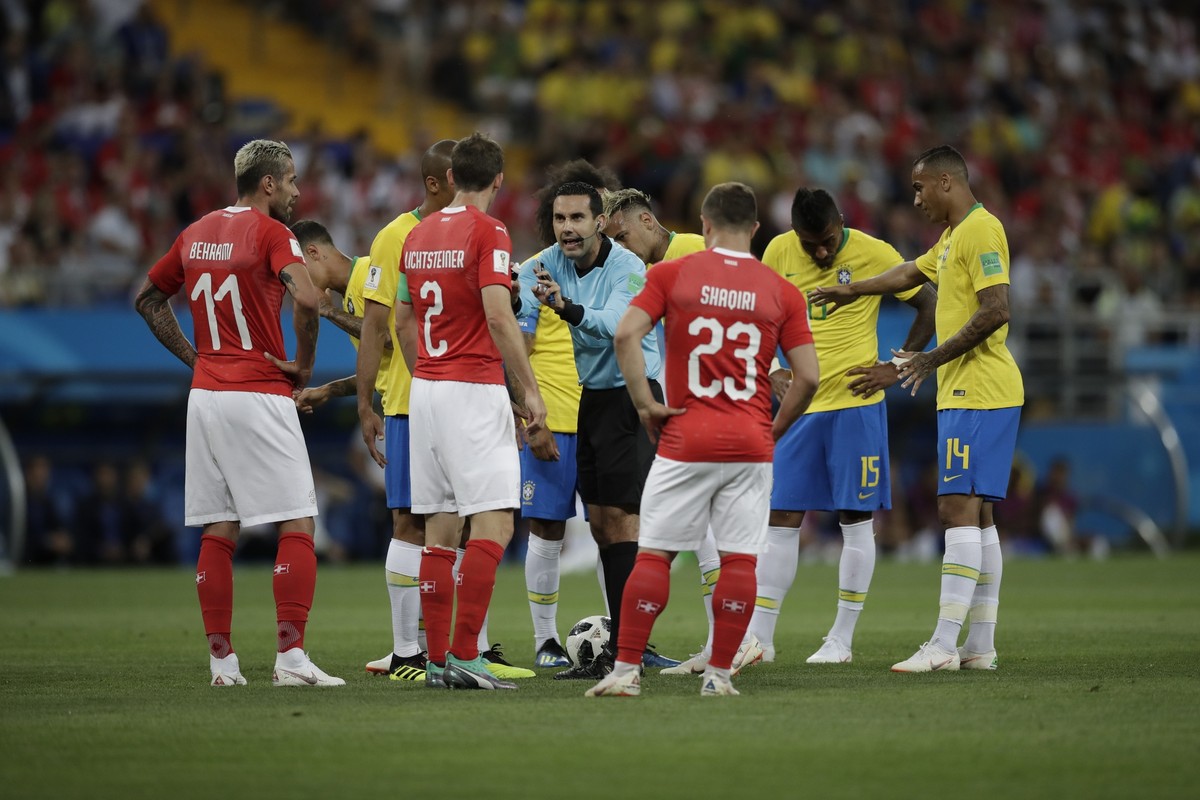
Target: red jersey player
<point x="246" y="461"/>
<point x="725" y="313"/>
<point x="456" y="330"/>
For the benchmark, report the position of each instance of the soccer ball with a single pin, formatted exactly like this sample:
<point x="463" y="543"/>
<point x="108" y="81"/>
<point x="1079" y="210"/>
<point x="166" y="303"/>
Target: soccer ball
<point x="586" y="638"/>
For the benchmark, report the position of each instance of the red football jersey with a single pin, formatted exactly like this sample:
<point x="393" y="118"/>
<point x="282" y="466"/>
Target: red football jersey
<point x="725" y="314"/>
<point x="447" y="260"/>
<point x="229" y="261"/>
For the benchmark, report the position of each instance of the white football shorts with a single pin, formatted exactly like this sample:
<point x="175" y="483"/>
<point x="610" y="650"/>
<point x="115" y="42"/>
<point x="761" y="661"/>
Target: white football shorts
<point x="463" y="448"/>
<point x="682" y="499"/>
<point x="246" y="460"/>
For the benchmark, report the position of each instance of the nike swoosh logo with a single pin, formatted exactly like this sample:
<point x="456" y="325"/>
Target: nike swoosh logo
<point x="862" y="496"/>
<point x="311" y="680"/>
<point x="936" y="667"/>
<point x="949" y="478"/>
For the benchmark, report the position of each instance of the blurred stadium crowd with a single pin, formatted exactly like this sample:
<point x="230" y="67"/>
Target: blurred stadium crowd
<point x="1080" y="119"/>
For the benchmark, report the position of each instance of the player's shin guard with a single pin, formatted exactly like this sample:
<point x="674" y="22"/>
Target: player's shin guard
<point x="437" y="599"/>
<point x="960" y="573"/>
<point x="294" y="583"/>
<point x="214" y="586"/>
<point x="981" y="638"/>
<point x="646" y="594"/>
<point x="618" y="562"/>
<point x="733" y="605"/>
<point x="476" y="579"/>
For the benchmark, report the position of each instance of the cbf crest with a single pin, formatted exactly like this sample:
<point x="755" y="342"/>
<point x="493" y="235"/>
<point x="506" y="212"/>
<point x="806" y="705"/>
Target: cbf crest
<point x="527" y="492"/>
<point x="843" y="276"/>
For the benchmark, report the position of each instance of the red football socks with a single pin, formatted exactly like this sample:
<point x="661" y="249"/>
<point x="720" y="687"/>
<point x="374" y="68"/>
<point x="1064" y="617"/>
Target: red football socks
<point x="295" y="582"/>
<point x="733" y="604"/>
<point x="476" y="579"/>
<point x="645" y="597"/>
<point x="437" y="599"/>
<point x="214" y="585"/>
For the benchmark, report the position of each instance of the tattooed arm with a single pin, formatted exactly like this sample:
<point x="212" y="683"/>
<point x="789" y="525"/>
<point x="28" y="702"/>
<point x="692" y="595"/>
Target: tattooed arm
<point x="155" y="308"/>
<point x="306" y="320"/>
<point x="991" y="316"/>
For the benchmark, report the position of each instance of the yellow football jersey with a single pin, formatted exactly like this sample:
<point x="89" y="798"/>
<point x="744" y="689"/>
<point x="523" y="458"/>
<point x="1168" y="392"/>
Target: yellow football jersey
<point x="352" y="300"/>
<point x="380" y="284"/>
<point x="553" y="362"/>
<point x="848" y="338"/>
<point x="970" y="257"/>
<point x="683" y="244"/>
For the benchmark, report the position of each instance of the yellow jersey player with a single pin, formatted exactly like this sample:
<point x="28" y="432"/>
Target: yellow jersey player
<point x="979" y="399"/>
<point x="836" y="457"/>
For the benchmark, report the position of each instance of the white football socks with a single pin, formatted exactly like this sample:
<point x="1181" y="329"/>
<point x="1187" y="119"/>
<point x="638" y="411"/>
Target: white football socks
<point x="541" y="585"/>
<point x="709" y="559"/>
<point x="855" y="568"/>
<point x="985" y="602"/>
<point x="402" y="569"/>
<point x="775" y="573"/>
<point x="960" y="574"/>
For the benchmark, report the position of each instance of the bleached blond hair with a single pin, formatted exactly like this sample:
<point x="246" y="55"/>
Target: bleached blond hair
<point x="256" y="159"/>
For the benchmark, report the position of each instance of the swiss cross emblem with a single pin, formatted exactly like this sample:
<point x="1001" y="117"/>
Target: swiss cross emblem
<point x="647" y="607"/>
<point x="735" y="606"/>
<point x="200" y="578"/>
<point x="458" y="579"/>
<point x="428" y="587"/>
<point x="283" y="569"/>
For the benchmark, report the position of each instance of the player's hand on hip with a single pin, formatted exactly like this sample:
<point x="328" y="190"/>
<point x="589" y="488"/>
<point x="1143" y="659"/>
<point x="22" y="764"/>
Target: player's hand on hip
<point x="543" y="445"/>
<point x="833" y="297"/>
<point x="915" y="369"/>
<point x="781" y="381"/>
<point x="308" y="399"/>
<point x="372" y="432"/>
<point x="872" y="379"/>
<point x="299" y="376"/>
<point x="655" y="416"/>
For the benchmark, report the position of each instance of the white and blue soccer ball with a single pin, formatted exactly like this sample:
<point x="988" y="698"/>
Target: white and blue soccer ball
<point x="587" y="638"/>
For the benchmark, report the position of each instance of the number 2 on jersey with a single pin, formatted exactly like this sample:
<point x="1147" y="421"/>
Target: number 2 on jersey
<point x="432" y="289"/>
<point x="718" y="335"/>
<point x="228" y="287"/>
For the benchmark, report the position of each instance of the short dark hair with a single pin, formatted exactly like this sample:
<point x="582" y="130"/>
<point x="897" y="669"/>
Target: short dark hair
<point x="309" y="231"/>
<point x="578" y="170"/>
<point x="436" y="160"/>
<point x="814" y="210"/>
<point x="730" y="205"/>
<point x="581" y="189"/>
<point x="476" y="161"/>
<point x="943" y="158"/>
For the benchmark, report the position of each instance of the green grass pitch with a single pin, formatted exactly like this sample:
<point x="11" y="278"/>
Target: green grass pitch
<point x="103" y="693"/>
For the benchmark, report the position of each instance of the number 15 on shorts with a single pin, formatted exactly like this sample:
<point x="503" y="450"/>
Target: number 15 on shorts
<point x="870" y="471"/>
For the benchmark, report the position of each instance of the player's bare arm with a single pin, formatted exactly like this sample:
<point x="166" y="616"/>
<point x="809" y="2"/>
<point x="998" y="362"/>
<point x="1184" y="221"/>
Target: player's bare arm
<point x="317" y="396"/>
<point x="806" y="374"/>
<point x="878" y="377"/>
<point x="506" y="333"/>
<point x="627" y="342"/>
<point x="992" y="314"/>
<point x="348" y="322"/>
<point x="370" y="351"/>
<point x="897" y="279"/>
<point x="306" y="320"/>
<point x="155" y="308"/>
<point x="406" y="334"/>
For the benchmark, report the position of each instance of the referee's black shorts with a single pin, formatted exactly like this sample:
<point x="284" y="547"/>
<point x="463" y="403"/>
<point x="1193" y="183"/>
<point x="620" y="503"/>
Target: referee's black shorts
<point x="614" y="453"/>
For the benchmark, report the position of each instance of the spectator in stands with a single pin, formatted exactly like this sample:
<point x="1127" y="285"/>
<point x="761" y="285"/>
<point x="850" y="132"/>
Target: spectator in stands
<point x="150" y="539"/>
<point x="99" y="525"/>
<point x="48" y="538"/>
